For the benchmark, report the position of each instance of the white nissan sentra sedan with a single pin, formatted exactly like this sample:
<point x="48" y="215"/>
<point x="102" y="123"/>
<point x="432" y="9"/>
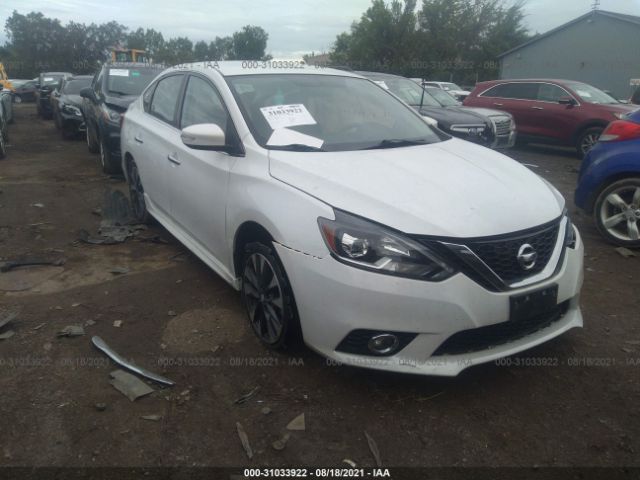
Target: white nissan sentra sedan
<point x="347" y="221"/>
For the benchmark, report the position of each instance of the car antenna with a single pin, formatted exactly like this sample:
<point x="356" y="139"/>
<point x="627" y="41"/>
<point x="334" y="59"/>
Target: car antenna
<point x="422" y="97"/>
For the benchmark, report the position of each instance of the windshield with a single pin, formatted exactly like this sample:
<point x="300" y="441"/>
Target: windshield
<point x="409" y="91"/>
<point x="323" y="112"/>
<point x="445" y="99"/>
<point x="450" y="86"/>
<point x="74" y="86"/>
<point x="592" y="94"/>
<point x="129" y="81"/>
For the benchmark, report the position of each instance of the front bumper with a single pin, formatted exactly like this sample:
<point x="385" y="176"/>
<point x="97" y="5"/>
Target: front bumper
<point x="334" y="299"/>
<point x="505" y="141"/>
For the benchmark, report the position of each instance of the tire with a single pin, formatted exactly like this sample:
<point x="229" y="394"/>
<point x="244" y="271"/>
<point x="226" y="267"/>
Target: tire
<point x="268" y="298"/>
<point x="92" y="145"/>
<point x="56" y="120"/>
<point x="106" y="162"/>
<point x="66" y="132"/>
<point x="587" y="140"/>
<point x="617" y="212"/>
<point x="136" y="194"/>
<point x="3" y="146"/>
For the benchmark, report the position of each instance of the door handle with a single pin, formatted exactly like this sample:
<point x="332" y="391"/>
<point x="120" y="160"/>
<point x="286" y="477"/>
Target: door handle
<point x="499" y="104"/>
<point x="537" y="108"/>
<point x="138" y="139"/>
<point x="173" y="159"/>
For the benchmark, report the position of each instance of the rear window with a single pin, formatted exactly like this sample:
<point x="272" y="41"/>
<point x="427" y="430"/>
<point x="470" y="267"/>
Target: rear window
<point x="129" y="81"/>
<point x="73" y="87"/>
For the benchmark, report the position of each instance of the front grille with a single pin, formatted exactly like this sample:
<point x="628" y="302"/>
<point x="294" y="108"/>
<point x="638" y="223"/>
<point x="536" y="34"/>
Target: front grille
<point x="500" y="255"/>
<point x="483" y="338"/>
<point x="503" y="125"/>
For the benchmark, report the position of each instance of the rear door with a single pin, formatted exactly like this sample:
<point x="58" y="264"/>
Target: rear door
<point x="158" y="136"/>
<point x="517" y="98"/>
<point x="199" y="183"/>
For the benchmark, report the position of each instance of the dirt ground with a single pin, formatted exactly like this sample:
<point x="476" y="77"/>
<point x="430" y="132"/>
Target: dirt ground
<point x="181" y="320"/>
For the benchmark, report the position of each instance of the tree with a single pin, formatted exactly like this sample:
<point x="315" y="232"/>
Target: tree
<point x="201" y="51"/>
<point x="383" y="39"/>
<point x="445" y="39"/>
<point x="249" y="43"/>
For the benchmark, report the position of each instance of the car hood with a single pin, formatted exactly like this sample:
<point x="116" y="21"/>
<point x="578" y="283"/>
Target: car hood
<point x="448" y="116"/>
<point x="451" y="189"/>
<point x="487" y="112"/>
<point x="70" y="99"/>
<point x="121" y="103"/>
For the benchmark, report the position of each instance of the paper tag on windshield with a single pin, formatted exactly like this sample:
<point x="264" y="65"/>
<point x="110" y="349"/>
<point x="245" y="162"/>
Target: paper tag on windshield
<point x="583" y="94"/>
<point x="284" y="136"/>
<point x="119" y="72"/>
<point x="49" y="79"/>
<point x="382" y="84"/>
<point x="282" y="116"/>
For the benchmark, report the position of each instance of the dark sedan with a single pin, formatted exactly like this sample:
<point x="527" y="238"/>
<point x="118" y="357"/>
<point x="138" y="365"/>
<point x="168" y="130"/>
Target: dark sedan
<point x="47" y="84"/>
<point x="490" y="128"/>
<point x="67" y="107"/>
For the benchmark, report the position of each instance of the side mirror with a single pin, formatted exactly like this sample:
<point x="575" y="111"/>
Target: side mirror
<point x="87" y="92"/>
<point x="567" y="101"/>
<point x="204" y="136"/>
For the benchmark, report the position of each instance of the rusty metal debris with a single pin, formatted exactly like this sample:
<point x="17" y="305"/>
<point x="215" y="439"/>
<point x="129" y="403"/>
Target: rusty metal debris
<point x="129" y="385"/>
<point x="71" y="331"/>
<point x="247" y="396"/>
<point x="103" y="347"/>
<point x="30" y="262"/>
<point x="297" y="424"/>
<point x="373" y="446"/>
<point x="244" y="439"/>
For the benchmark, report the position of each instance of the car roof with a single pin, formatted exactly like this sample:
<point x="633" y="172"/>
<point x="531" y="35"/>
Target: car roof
<point x="525" y="80"/>
<point x="251" y="67"/>
<point x="379" y="75"/>
<point x="57" y="73"/>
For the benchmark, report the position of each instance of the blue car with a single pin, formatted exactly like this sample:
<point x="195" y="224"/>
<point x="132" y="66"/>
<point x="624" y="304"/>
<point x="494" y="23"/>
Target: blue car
<point x="609" y="182"/>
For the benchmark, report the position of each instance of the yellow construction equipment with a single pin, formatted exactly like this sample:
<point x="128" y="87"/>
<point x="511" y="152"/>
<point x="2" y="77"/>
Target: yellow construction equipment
<point x="4" y="78"/>
<point x="129" y="55"/>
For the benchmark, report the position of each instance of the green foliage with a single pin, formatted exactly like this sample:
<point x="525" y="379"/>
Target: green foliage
<point x="443" y="39"/>
<point x="37" y="43"/>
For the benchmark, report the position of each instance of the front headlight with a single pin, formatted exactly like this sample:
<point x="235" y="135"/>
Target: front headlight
<point x="570" y="233"/>
<point x="367" y="245"/>
<point x="111" y="116"/>
<point x="71" y="110"/>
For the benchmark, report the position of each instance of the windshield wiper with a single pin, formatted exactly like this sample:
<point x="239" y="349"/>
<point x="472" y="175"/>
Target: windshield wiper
<point x="297" y="147"/>
<point x="396" y="142"/>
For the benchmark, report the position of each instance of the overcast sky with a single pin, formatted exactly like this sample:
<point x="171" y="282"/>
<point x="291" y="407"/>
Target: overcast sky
<point x="295" y="27"/>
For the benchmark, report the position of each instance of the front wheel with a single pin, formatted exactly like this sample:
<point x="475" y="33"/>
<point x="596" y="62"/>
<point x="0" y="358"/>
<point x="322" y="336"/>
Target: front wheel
<point x="617" y="212"/>
<point x="3" y="146"/>
<point x="106" y="161"/>
<point x="136" y="194"/>
<point x="588" y="140"/>
<point x="92" y="145"/>
<point x="268" y="298"/>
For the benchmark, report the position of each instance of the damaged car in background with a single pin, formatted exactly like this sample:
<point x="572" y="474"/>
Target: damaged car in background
<point x="347" y="222"/>
<point x="484" y="126"/>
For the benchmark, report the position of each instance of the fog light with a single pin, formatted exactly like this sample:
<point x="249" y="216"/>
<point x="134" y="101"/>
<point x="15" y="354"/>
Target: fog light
<point x="383" y="344"/>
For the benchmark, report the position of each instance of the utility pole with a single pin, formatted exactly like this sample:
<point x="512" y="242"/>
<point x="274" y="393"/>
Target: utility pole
<point x="596" y="5"/>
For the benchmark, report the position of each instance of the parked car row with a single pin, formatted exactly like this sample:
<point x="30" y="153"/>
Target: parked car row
<point x="487" y="127"/>
<point x="558" y="112"/>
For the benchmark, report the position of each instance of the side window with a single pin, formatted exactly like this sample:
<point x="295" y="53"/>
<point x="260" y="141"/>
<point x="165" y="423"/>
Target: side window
<point x="551" y="93"/>
<point x="519" y="91"/>
<point x="202" y="104"/>
<point x="636" y="97"/>
<point x="165" y="98"/>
